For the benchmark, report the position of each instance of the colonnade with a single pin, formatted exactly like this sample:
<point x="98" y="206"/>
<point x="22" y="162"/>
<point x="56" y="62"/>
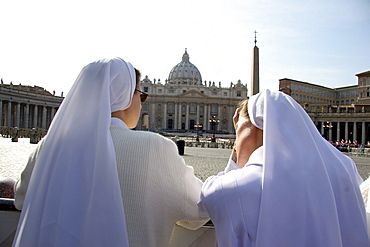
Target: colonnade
<point x="26" y="115"/>
<point x="345" y="130"/>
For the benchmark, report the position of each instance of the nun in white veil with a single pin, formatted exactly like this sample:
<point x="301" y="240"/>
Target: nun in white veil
<point x="365" y="191"/>
<point x="74" y="197"/>
<point x="293" y="189"/>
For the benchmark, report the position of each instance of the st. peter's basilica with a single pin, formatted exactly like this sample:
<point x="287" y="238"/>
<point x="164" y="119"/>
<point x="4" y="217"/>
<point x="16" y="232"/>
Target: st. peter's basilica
<point x="185" y="102"/>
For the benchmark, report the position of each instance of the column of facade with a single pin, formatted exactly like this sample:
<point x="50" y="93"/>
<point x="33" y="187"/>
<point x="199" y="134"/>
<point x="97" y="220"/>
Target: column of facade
<point x="209" y="117"/>
<point x="165" y="115"/>
<point x="1" y="112"/>
<point x="175" y="117"/>
<point x="363" y="141"/>
<point x="230" y="115"/>
<point x="18" y="114"/>
<point x="35" y="110"/>
<point x="26" y="116"/>
<point x="218" y="125"/>
<point x="205" y="117"/>
<point x="197" y="115"/>
<point x="187" y="117"/>
<point x="180" y="115"/>
<point x="346" y="131"/>
<point x="152" y="122"/>
<point x="43" y="120"/>
<point x="354" y="132"/>
<point x="9" y="117"/>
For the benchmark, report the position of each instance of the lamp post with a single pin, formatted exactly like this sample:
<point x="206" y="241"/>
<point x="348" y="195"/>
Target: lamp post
<point x="327" y="126"/>
<point x="197" y="128"/>
<point x="214" y="121"/>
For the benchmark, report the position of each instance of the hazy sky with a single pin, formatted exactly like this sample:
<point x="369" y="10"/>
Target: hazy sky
<point x="46" y="43"/>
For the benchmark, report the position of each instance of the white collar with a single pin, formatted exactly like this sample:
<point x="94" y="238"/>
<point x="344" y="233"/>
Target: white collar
<point x="118" y="122"/>
<point x="256" y="157"/>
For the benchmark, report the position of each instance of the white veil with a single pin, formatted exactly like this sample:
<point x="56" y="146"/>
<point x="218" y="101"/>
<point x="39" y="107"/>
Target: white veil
<point x="368" y="214"/>
<point x="74" y="196"/>
<point x="310" y="194"/>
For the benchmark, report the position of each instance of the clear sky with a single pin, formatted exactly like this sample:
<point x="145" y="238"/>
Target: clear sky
<point x="46" y="43"/>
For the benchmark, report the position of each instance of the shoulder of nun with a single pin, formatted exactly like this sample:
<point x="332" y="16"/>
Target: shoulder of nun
<point x="153" y="135"/>
<point x="148" y="137"/>
<point x="364" y="187"/>
<point x="365" y="184"/>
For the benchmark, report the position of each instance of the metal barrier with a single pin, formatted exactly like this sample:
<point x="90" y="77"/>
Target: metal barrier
<point x="9" y="216"/>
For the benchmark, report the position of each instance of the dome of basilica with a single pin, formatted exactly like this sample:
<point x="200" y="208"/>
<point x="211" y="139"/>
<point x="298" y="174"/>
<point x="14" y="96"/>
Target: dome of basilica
<point x="185" y="72"/>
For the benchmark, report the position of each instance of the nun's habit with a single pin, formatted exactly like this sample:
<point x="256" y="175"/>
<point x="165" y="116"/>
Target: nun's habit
<point x="74" y="197"/>
<point x="295" y="190"/>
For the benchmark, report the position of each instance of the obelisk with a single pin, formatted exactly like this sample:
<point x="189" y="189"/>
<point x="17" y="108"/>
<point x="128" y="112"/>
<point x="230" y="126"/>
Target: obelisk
<point x="255" y="68"/>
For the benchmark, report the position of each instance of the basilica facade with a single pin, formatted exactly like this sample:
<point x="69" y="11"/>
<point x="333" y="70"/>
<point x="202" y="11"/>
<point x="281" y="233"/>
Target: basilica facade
<point x="185" y="102"/>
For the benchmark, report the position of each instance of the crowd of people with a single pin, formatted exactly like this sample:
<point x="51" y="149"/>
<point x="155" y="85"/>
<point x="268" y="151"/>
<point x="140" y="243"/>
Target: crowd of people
<point x="121" y="187"/>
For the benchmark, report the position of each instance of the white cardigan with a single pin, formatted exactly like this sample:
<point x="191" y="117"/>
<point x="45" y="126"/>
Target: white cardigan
<point x="158" y="189"/>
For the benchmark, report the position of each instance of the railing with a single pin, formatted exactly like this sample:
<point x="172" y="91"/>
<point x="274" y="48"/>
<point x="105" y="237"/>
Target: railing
<point x="7" y="204"/>
<point x="9" y="216"/>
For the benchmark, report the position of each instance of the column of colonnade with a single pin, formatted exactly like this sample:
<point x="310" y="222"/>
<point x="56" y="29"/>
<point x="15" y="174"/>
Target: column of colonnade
<point x="9" y="114"/>
<point x="363" y="132"/>
<point x="43" y="118"/>
<point x="1" y="112"/>
<point x="26" y="117"/>
<point x="18" y="115"/>
<point x="355" y="132"/>
<point x="338" y="131"/>
<point x="35" y="116"/>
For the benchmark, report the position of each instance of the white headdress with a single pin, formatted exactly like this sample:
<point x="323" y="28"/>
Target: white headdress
<point x="74" y="196"/>
<point x="310" y="194"/>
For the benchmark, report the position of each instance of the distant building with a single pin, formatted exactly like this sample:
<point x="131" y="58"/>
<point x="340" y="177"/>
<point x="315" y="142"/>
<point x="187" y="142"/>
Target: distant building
<point x="27" y="106"/>
<point x="185" y="102"/>
<point x="364" y="87"/>
<point x="339" y="113"/>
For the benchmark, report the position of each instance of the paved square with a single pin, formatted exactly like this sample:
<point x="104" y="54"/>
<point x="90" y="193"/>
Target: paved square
<point x="205" y="161"/>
